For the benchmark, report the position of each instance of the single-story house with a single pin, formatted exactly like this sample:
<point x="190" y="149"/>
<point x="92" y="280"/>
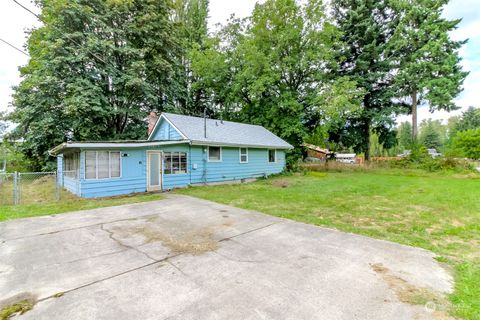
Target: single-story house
<point x="180" y="151"/>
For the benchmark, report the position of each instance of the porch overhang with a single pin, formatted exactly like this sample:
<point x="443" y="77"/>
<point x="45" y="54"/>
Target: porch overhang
<point x="61" y="148"/>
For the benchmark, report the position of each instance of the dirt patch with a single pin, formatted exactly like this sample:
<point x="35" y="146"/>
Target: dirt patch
<point x="194" y="242"/>
<point x="419" y="208"/>
<point x="227" y="224"/>
<point x="18" y="304"/>
<point x="408" y="293"/>
<point x="280" y="183"/>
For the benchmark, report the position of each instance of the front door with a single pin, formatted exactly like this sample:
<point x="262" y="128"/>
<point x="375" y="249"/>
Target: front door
<point x="154" y="170"/>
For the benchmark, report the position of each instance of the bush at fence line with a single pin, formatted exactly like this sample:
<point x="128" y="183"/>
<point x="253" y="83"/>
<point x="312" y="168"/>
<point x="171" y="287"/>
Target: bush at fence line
<point x="416" y="162"/>
<point x="335" y="166"/>
<point x="420" y="159"/>
<point x="43" y="180"/>
<point x="6" y="189"/>
<point x="28" y="188"/>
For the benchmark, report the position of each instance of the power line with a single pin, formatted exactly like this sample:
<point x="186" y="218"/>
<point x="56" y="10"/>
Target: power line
<point x="11" y="45"/>
<point x="21" y="5"/>
<point x="73" y="40"/>
<point x="114" y="68"/>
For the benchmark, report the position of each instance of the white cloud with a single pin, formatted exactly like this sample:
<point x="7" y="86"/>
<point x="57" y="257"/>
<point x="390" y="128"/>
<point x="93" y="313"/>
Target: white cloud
<point x="221" y="10"/>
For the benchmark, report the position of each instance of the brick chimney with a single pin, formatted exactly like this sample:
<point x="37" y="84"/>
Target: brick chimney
<point x="152" y="119"/>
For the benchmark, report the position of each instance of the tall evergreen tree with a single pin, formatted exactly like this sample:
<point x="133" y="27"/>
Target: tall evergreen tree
<point x="470" y="119"/>
<point x="405" y="134"/>
<point x="367" y="27"/>
<point x="429" y="63"/>
<point x="97" y="67"/>
<point x="432" y="134"/>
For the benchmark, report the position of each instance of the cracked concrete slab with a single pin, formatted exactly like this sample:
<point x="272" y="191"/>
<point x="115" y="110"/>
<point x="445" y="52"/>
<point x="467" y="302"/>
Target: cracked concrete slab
<point x="185" y="258"/>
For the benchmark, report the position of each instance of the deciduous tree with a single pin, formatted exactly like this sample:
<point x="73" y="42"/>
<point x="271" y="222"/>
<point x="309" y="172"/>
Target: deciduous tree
<point x="467" y="143"/>
<point x="97" y="67"/>
<point x="191" y="17"/>
<point x="275" y="69"/>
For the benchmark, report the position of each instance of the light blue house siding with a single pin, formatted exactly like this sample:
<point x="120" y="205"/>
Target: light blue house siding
<point x="173" y="133"/>
<point x="199" y="170"/>
<point x="165" y="131"/>
<point x="230" y="167"/>
<point x="132" y="177"/>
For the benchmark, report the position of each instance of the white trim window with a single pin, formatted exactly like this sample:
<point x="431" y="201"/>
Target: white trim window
<point x="272" y="155"/>
<point x="102" y="164"/>
<point x="214" y="154"/>
<point x="175" y="162"/>
<point x="243" y="155"/>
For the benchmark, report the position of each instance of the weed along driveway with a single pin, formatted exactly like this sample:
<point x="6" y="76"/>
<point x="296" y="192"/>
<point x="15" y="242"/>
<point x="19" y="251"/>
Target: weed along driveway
<point x="185" y="258"/>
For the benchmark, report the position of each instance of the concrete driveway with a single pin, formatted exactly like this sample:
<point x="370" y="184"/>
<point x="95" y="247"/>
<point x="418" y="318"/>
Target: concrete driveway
<point x="185" y="258"/>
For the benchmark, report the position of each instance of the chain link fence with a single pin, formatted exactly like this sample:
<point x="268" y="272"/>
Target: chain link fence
<point x="29" y="188"/>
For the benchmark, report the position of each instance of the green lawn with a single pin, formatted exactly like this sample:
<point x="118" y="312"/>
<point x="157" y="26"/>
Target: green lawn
<point x="436" y="212"/>
<point x="68" y="203"/>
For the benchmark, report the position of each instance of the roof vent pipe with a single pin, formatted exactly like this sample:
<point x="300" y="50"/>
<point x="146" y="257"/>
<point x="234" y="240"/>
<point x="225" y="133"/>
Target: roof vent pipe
<point x="205" y="123"/>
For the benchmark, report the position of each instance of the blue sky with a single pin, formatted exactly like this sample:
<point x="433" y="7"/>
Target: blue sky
<point x="14" y="21"/>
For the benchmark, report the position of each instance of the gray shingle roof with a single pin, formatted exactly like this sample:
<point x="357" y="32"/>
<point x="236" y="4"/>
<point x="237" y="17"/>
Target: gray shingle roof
<point x="225" y="132"/>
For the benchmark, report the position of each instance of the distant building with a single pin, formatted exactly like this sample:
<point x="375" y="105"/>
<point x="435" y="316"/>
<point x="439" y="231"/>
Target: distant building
<point x="315" y="152"/>
<point x="346" y="158"/>
<point x="433" y="153"/>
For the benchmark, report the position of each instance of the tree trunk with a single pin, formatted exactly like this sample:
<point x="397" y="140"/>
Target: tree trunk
<point x="414" y="115"/>
<point x="367" y="134"/>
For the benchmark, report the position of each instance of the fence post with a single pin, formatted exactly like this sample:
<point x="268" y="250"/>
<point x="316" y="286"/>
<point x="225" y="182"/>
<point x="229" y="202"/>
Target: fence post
<point x="57" y="187"/>
<point x="19" y="187"/>
<point x="15" y="188"/>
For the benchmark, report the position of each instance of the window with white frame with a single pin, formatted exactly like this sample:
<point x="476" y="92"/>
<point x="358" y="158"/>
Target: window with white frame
<point x="102" y="164"/>
<point x="175" y="162"/>
<point x="71" y="164"/>
<point x="214" y="153"/>
<point x="243" y="155"/>
<point x="272" y="155"/>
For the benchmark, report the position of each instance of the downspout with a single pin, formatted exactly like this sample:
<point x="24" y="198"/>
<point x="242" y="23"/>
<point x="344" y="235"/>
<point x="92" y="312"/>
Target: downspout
<point x="204" y="151"/>
<point x="190" y="161"/>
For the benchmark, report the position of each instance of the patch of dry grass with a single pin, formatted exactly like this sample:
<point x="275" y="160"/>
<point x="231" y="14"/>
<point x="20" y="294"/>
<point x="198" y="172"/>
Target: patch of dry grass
<point x="405" y="291"/>
<point x="280" y="183"/>
<point x="194" y="242"/>
<point x="411" y="294"/>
